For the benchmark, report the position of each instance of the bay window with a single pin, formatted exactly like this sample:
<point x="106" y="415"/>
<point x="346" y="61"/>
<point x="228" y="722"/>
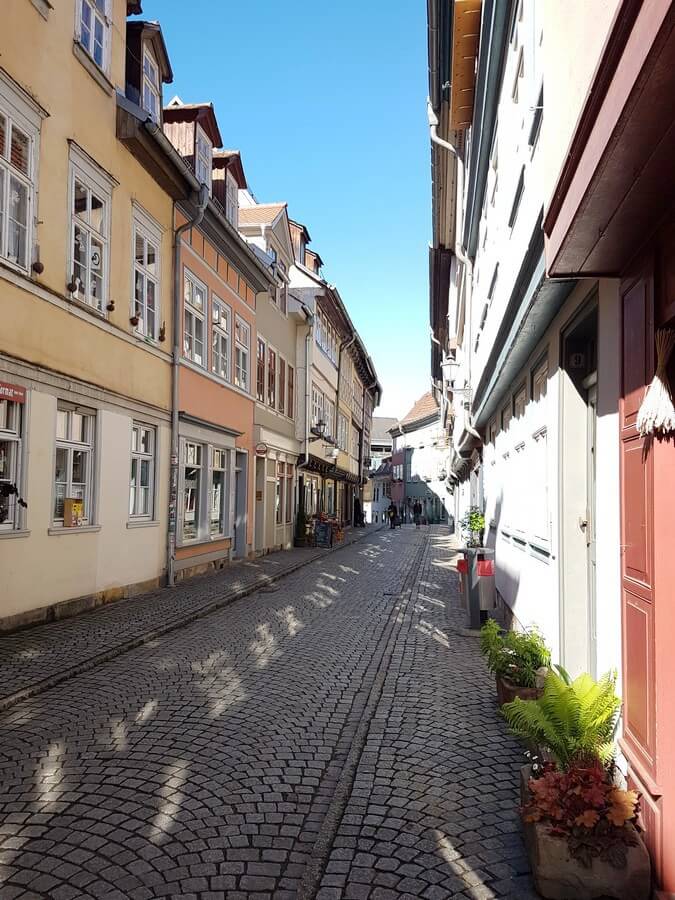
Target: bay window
<point x="141" y="482"/>
<point x="146" y="276"/>
<point x="260" y="371"/>
<point x="271" y="378"/>
<point x="242" y="339"/>
<point x="90" y="201"/>
<point x="221" y="329"/>
<point x="194" y="294"/>
<point x="11" y="422"/>
<point x="73" y="468"/>
<point x="93" y="29"/>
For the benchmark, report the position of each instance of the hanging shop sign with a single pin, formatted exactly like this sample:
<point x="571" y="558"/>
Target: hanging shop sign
<point x="261" y="449"/>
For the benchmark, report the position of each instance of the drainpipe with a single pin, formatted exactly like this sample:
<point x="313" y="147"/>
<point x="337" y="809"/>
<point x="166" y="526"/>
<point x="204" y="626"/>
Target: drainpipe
<point x="175" y="363"/>
<point x="308" y="338"/>
<point x="433" y="130"/>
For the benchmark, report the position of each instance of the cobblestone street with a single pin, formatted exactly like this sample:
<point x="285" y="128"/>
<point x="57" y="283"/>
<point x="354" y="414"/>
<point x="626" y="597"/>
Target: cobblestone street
<point x="333" y="734"/>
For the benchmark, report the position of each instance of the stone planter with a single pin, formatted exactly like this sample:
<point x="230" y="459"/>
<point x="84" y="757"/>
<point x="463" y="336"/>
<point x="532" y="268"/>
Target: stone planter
<point x="558" y="876"/>
<point x="508" y="691"/>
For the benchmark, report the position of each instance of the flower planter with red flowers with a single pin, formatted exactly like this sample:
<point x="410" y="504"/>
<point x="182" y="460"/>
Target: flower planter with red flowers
<point x="581" y="835"/>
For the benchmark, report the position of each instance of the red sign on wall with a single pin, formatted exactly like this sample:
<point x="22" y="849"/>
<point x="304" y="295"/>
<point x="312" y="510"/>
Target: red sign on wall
<point x="13" y="392"/>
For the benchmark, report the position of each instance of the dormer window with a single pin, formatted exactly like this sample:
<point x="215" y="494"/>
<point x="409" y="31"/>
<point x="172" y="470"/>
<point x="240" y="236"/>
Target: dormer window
<point x="203" y="154"/>
<point x="231" y="200"/>
<point x="151" y="93"/>
<point x="93" y="25"/>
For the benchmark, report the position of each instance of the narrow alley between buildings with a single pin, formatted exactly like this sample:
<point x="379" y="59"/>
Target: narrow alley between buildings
<point x="333" y="734"/>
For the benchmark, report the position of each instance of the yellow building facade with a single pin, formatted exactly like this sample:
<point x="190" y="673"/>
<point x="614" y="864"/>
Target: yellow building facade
<point x="85" y="305"/>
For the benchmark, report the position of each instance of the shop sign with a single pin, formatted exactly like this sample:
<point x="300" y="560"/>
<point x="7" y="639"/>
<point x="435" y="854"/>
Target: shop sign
<point x="261" y="449"/>
<point x="13" y="392"/>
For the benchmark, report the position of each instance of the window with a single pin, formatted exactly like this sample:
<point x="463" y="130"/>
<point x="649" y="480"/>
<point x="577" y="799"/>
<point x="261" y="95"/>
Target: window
<point x="289" y="493"/>
<point x="355" y="443"/>
<point x="141" y="482"/>
<point x="11" y="415"/>
<point x="317" y="406"/>
<point x="540" y="382"/>
<point x="520" y="69"/>
<point x="279" y="494"/>
<point x="231" y="200"/>
<point x="220" y="337"/>
<point x="192" y="481"/>
<point x="283" y="288"/>
<point x="146" y="276"/>
<point x="493" y="283"/>
<point x="194" y="295"/>
<point x="73" y="469"/>
<point x="536" y="120"/>
<point x="282" y="385"/>
<point x="329" y="413"/>
<point x="217" y="492"/>
<point x="260" y="371"/>
<point x="325" y="336"/>
<point x="517" y="198"/>
<point x="90" y="200"/>
<point x="242" y="340"/>
<point x="271" y="378"/>
<point x="203" y="152"/>
<point x="93" y="29"/>
<point x="343" y="431"/>
<point x="16" y="184"/>
<point x="506" y="417"/>
<point x="290" y="407"/>
<point x="151" y="89"/>
<point x="520" y="403"/>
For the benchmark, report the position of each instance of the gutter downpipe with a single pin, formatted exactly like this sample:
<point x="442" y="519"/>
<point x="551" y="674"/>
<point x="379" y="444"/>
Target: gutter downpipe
<point x="433" y="130"/>
<point x="308" y="338"/>
<point x="175" y="364"/>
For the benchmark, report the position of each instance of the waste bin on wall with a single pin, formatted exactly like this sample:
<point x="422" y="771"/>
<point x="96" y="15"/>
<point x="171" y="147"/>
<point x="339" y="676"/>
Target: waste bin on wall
<point x="479" y="583"/>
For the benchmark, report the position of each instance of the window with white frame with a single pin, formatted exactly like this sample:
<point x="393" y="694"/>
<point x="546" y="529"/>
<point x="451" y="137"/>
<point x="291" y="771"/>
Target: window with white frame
<point x="317" y="406"/>
<point x="283" y="288"/>
<point x="90" y="202"/>
<point x="355" y="443"/>
<point x="221" y="329"/>
<point x="93" y="29"/>
<point x="218" y="492"/>
<point x="19" y="136"/>
<point x="290" y="406"/>
<point x="289" y="494"/>
<point x="11" y="424"/>
<point x="271" y="378"/>
<point x="261" y="357"/>
<point x="242" y="341"/>
<point x="231" y="200"/>
<point x="142" y="478"/>
<point x="343" y="432"/>
<point x="152" y="91"/>
<point x="279" y="493"/>
<point x="192" y="486"/>
<point x="147" y="240"/>
<point x="74" y="465"/>
<point x="329" y="413"/>
<point x="519" y="72"/>
<point x="203" y="157"/>
<point x="282" y="385"/>
<point x="194" y="295"/>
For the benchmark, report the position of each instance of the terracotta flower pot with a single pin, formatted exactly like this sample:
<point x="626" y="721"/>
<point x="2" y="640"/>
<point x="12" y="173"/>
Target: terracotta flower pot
<point x="557" y="875"/>
<point x="508" y="691"/>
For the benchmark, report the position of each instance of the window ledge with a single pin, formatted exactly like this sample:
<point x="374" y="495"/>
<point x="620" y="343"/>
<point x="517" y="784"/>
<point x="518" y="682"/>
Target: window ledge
<point x="16" y="533"/>
<point x="44" y="7"/>
<point x="99" y="77"/>
<point x="76" y="529"/>
<point x="143" y="523"/>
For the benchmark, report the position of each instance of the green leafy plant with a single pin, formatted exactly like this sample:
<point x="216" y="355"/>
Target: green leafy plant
<point x="583" y="806"/>
<point x="514" y="655"/>
<point x="574" y="720"/>
<point x="473" y="526"/>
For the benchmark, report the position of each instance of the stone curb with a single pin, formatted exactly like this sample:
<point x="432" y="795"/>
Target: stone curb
<point x="45" y="684"/>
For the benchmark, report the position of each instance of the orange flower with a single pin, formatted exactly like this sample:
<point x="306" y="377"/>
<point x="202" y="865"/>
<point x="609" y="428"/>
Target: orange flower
<point x="587" y="819"/>
<point x="622" y="809"/>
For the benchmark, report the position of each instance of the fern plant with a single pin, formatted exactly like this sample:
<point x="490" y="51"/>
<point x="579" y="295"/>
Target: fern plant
<point x="574" y="719"/>
<point x="514" y="655"/>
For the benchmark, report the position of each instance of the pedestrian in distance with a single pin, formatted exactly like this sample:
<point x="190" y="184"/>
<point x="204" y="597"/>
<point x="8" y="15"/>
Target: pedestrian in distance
<point x="391" y="512"/>
<point x="417" y="513"/>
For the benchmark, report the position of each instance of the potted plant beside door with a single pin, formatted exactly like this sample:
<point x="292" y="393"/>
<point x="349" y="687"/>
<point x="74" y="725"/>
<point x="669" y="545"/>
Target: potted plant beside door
<point x="519" y="661"/>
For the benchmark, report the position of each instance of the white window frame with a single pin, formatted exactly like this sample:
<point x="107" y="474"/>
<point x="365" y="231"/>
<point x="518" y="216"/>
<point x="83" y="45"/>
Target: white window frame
<point x="288" y="505"/>
<point x="150" y="232"/>
<point x="95" y="180"/>
<point x="12" y="433"/>
<point x="279" y="493"/>
<point x="18" y="111"/>
<point x="102" y="16"/>
<point x="317" y="405"/>
<point x="139" y="456"/>
<point x="290" y="390"/>
<point x="231" y="199"/>
<point x="70" y="445"/>
<point x="192" y="314"/>
<point x="225" y="469"/>
<point x="282" y="368"/>
<point x="154" y="89"/>
<point x="261" y="343"/>
<point x="205" y="491"/>
<point x="203" y="160"/>
<point x="272" y="377"/>
<point x="221" y="336"/>
<point x="242" y="351"/>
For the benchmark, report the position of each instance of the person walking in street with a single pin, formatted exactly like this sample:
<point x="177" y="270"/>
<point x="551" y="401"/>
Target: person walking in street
<point x="417" y="513"/>
<point x="391" y="512"/>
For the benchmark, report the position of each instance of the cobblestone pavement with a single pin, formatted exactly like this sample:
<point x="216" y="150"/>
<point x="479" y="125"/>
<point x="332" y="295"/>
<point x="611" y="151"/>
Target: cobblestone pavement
<point x="39" y="657"/>
<point x="334" y="735"/>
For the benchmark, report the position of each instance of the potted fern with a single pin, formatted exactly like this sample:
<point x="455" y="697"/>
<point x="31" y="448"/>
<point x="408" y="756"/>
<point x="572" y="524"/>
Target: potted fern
<point x="519" y="661"/>
<point x="581" y="828"/>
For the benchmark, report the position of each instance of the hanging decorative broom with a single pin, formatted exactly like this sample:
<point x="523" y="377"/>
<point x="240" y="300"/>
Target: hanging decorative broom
<point x="657" y="413"/>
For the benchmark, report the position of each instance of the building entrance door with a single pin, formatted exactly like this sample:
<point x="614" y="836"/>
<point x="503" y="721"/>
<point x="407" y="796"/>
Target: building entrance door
<point x="240" y="505"/>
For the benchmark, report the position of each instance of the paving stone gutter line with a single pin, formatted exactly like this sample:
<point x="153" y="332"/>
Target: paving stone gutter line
<point x="39" y="687"/>
<point x="355" y="733"/>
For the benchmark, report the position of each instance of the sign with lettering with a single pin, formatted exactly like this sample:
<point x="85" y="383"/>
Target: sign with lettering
<point x="261" y="449"/>
<point x="13" y="392"/>
<point x="323" y="534"/>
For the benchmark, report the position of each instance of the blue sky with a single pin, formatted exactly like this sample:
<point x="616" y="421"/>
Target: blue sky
<point x="326" y="102"/>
